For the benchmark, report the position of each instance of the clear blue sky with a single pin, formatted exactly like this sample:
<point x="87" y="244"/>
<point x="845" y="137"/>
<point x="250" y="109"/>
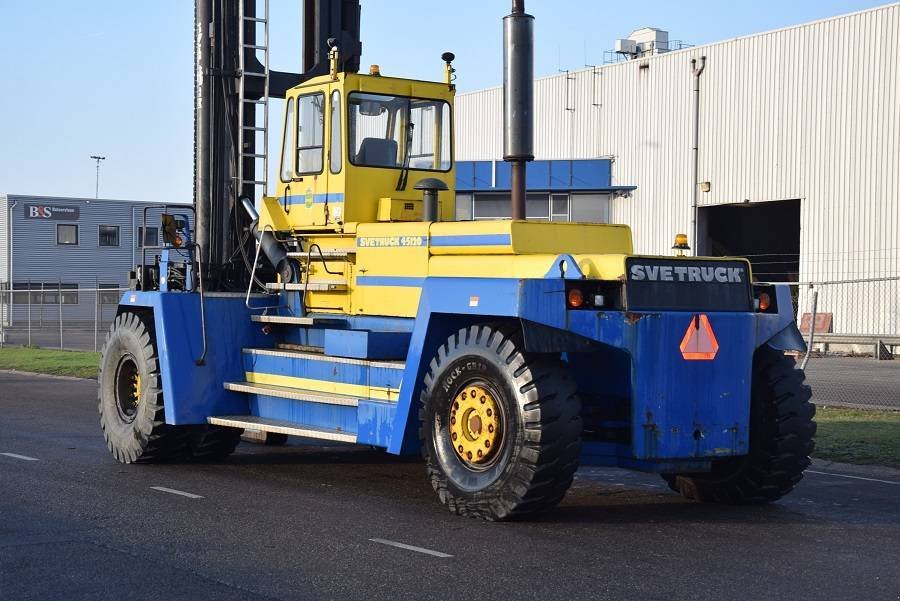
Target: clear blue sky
<point x="114" y="77"/>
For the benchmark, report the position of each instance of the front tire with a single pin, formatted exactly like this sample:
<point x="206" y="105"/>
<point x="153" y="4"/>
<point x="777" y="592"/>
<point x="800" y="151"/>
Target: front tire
<point x="781" y="440"/>
<point x="500" y="428"/>
<point x="130" y="396"/>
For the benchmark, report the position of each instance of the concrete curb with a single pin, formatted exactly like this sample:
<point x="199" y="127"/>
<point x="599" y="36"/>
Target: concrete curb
<point x="40" y="375"/>
<point x="870" y="471"/>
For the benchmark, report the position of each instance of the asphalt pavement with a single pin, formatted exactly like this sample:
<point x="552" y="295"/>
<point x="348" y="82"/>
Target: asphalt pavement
<point x="313" y="522"/>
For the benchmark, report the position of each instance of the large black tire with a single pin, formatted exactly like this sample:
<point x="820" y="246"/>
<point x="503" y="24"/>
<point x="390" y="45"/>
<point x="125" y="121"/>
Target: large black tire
<point x="130" y="396"/>
<point x="538" y="425"/>
<point x="781" y="440"/>
<point x="213" y="443"/>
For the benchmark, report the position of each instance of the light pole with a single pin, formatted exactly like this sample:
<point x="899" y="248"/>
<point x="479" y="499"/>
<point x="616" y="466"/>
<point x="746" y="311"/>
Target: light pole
<point x="97" y="184"/>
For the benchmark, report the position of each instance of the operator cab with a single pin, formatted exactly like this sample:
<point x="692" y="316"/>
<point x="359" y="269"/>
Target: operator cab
<point x="355" y="146"/>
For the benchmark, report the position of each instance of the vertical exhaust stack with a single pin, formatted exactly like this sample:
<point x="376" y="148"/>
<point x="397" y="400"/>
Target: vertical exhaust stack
<point x="518" y="99"/>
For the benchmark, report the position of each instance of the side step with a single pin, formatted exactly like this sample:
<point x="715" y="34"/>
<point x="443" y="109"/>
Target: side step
<point x="280" y="426"/>
<point x="295" y="394"/>
<point x="298" y="321"/>
<point x="317" y="286"/>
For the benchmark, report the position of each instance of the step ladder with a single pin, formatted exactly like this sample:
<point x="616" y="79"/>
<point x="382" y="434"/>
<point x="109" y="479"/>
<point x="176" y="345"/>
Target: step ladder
<point x="261" y="178"/>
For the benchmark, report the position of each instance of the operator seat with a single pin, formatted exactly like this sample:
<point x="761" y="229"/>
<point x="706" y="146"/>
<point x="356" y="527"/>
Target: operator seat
<point x="377" y="152"/>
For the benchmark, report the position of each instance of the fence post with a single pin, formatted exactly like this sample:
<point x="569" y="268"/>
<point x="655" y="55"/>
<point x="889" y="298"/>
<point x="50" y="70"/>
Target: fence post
<point x="812" y="327"/>
<point x="96" y="312"/>
<point x="59" y="303"/>
<point x="29" y="311"/>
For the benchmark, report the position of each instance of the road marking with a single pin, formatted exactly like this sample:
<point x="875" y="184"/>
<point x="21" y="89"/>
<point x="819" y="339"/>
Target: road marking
<point x="409" y="547"/>
<point x="176" y="492"/>
<point x="22" y="457"/>
<point x="854" y="477"/>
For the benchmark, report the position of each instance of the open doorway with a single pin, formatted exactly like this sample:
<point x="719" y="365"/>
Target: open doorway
<point x="767" y="233"/>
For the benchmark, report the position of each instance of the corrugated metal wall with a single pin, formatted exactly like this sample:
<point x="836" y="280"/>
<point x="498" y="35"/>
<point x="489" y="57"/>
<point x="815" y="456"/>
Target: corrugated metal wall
<point x="809" y="112"/>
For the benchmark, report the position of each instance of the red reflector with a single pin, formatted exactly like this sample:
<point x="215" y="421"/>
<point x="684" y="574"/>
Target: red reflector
<point x="699" y="342"/>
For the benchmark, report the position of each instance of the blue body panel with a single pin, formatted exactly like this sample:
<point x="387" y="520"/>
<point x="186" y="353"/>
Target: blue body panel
<point x="194" y="392"/>
<point x="680" y="413"/>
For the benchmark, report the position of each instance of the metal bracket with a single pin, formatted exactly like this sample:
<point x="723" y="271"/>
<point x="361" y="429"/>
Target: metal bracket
<point x="565" y="267"/>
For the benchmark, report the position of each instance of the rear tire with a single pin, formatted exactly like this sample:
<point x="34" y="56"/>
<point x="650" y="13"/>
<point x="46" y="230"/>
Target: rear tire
<point x="213" y="443"/>
<point x="130" y="396"/>
<point x="523" y="422"/>
<point x="781" y="440"/>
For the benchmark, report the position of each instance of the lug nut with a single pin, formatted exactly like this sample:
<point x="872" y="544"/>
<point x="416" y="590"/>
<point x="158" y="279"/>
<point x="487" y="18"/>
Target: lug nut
<point x="489" y="412"/>
<point x="460" y="449"/>
<point x="474" y="393"/>
<point x="469" y="455"/>
<point x="454" y="436"/>
<point x="464" y="396"/>
<point x="453" y="420"/>
<point x="483" y="400"/>
<point x="491" y="428"/>
<point x="487" y="443"/>
<point x="456" y="404"/>
<point x="480" y="453"/>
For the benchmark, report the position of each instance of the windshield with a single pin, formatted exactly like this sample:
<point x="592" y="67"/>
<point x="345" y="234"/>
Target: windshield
<point x="399" y="132"/>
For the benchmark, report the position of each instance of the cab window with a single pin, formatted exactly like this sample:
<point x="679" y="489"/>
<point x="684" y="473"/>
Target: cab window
<point x="310" y="133"/>
<point x="287" y="170"/>
<point x="397" y="131"/>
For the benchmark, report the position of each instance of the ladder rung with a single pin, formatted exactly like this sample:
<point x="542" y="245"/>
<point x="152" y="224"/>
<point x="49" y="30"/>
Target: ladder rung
<point x="260" y="101"/>
<point x="256" y="19"/>
<point x="255" y="182"/>
<point x="256" y="47"/>
<point x="252" y="155"/>
<point x="255" y="74"/>
<point x="253" y="128"/>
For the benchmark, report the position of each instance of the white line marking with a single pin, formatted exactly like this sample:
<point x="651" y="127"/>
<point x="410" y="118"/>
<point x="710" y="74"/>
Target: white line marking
<point x="853" y="477"/>
<point x="22" y="457"/>
<point x="176" y="492"/>
<point x="409" y="547"/>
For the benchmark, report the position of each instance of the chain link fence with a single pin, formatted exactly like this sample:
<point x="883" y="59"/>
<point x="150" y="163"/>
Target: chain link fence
<point x="57" y="316"/>
<point x="852" y="329"/>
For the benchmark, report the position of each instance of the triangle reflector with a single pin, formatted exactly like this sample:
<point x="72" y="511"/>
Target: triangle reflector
<point x="699" y="342"/>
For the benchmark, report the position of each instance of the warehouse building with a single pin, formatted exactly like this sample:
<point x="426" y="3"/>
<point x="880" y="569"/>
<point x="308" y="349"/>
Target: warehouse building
<point x="798" y="150"/>
<point x="52" y="248"/>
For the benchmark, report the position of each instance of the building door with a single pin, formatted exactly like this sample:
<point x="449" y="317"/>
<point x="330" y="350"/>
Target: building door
<point x="767" y="233"/>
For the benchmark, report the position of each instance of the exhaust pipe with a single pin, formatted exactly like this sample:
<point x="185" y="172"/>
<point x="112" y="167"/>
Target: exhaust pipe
<point x="518" y="99"/>
<point x="270" y="246"/>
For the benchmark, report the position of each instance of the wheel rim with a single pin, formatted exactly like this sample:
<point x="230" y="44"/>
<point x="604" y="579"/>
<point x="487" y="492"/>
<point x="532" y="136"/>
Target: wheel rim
<point x="476" y="426"/>
<point x="128" y="388"/>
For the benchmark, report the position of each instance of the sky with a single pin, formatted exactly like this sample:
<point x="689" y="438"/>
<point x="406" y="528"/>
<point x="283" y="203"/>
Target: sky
<point x="115" y="78"/>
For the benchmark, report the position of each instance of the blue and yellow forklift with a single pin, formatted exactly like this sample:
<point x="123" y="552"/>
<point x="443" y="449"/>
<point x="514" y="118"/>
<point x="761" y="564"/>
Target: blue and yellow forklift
<point x="350" y="306"/>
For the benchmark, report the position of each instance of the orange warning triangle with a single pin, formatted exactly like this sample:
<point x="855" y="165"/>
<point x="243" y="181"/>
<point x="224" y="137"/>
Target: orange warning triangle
<point x="699" y="342"/>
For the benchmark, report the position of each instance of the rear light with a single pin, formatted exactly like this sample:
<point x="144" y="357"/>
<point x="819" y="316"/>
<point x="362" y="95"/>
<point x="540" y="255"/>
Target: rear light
<point x="575" y="298"/>
<point x="764" y="301"/>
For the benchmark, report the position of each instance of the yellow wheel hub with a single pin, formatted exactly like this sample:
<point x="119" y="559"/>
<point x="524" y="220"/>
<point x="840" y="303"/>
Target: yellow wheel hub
<point x="137" y="389"/>
<point x="475" y="425"/>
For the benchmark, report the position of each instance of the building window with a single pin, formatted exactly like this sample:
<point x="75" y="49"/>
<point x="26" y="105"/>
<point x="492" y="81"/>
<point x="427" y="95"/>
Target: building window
<point x="559" y="207"/>
<point x="45" y="293"/>
<point x="499" y="206"/>
<point x="109" y="235"/>
<point x="148" y="238"/>
<point x="110" y="294"/>
<point x="66" y="234"/>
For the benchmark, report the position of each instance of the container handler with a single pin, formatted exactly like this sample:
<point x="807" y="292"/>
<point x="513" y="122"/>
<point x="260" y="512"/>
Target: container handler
<point x="351" y="307"/>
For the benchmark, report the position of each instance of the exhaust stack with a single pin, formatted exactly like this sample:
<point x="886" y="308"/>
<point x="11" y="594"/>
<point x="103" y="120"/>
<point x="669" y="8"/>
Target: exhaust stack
<point x="518" y="99"/>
